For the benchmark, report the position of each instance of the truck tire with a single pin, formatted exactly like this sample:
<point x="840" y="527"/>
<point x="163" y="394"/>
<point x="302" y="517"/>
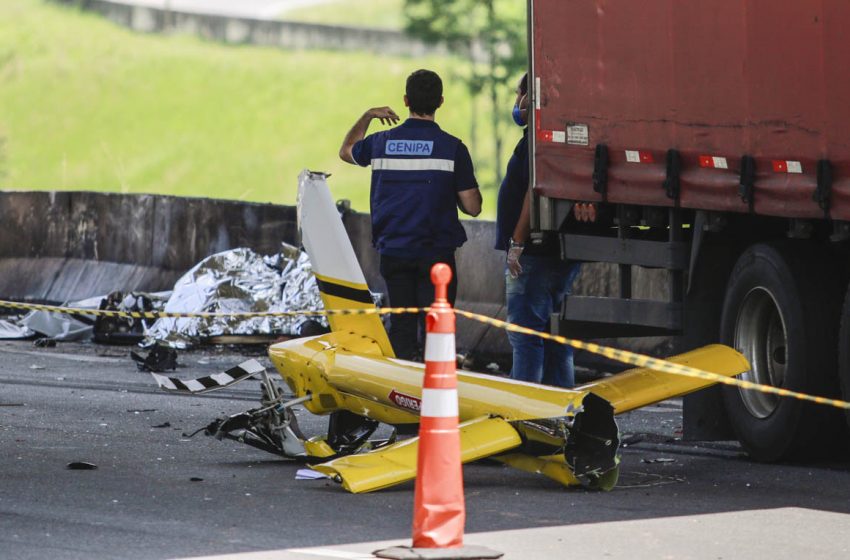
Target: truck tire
<point x="704" y="416"/>
<point x="844" y="352"/>
<point x="780" y="310"/>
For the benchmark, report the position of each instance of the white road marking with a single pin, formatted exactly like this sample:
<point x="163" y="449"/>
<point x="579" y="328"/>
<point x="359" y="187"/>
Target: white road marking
<point x="331" y="553"/>
<point x="70" y="357"/>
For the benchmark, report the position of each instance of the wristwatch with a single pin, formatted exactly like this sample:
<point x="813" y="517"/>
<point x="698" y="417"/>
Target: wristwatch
<point x="516" y="244"/>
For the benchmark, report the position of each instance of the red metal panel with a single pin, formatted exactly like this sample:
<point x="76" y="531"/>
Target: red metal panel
<point x="836" y="52"/>
<point x="719" y="78"/>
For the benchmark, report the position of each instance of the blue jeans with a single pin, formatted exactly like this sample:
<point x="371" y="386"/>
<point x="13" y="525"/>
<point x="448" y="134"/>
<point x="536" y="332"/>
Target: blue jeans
<point x="531" y="298"/>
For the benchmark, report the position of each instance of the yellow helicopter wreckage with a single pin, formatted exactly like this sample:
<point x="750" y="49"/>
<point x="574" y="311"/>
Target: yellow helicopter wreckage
<point x="351" y="373"/>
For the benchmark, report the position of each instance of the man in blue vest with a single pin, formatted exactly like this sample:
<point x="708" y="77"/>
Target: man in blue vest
<point x="421" y="176"/>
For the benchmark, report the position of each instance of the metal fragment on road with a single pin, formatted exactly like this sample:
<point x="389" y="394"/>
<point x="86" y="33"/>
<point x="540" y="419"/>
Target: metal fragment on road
<point x="309" y="474"/>
<point x="234" y="375"/>
<point x="61" y="327"/>
<point x="159" y="359"/>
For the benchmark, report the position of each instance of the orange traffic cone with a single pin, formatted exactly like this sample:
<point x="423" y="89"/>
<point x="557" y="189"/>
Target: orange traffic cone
<point x="439" y="511"/>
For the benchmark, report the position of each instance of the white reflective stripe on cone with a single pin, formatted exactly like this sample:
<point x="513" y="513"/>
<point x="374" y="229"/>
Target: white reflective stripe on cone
<point x="440" y="347"/>
<point x="427" y="164"/>
<point x="439" y="403"/>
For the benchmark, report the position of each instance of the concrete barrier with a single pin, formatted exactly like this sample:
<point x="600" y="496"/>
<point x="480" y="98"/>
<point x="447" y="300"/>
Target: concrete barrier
<point x="58" y="246"/>
<point x="50" y="238"/>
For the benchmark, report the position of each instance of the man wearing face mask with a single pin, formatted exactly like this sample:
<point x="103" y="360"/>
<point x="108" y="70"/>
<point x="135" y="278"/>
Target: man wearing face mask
<point x="536" y="279"/>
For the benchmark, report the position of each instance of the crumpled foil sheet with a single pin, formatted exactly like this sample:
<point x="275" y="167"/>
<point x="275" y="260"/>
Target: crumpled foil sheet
<point x="59" y="326"/>
<point x="11" y="328"/>
<point x="238" y="281"/>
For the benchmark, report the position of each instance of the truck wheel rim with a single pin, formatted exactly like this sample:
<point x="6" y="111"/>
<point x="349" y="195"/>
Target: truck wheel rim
<point x="761" y="337"/>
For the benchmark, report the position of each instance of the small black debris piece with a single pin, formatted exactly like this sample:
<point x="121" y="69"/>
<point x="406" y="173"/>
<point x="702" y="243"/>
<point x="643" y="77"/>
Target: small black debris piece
<point x="44" y="343"/>
<point x="199" y="430"/>
<point x="81" y="466"/>
<point x="159" y="360"/>
<point x="196" y="479"/>
<point x="312" y="327"/>
<point x="163" y="425"/>
<point x="658" y="460"/>
<point x="122" y="330"/>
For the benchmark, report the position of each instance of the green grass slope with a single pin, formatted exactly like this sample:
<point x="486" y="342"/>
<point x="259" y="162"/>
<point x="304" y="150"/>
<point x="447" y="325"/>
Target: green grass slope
<point x="85" y="104"/>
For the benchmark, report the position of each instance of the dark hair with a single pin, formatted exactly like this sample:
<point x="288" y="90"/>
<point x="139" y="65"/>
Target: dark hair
<point x="523" y="84"/>
<point x="424" y="90"/>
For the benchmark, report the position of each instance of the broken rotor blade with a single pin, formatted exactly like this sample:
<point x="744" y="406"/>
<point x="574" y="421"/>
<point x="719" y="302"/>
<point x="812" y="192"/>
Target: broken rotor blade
<point x="209" y="383"/>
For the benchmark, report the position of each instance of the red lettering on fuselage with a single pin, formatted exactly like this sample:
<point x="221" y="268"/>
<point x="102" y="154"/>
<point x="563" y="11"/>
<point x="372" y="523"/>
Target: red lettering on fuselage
<point x="407" y="402"/>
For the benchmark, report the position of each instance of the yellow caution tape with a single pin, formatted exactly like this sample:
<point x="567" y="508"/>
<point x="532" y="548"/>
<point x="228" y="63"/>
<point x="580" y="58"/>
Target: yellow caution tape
<point x="622" y="356"/>
<point x="642" y="360"/>
<point x="180" y="315"/>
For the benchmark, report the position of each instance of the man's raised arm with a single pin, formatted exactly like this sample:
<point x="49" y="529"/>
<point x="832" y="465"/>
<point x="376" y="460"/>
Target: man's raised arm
<point x="358" y="131"/>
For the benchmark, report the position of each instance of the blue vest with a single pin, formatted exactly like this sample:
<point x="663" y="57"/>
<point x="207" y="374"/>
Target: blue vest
<point x="413" y="198"/>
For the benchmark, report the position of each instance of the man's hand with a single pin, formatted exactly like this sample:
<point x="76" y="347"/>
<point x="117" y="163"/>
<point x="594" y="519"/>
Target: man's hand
<point x="358" y="131"/>
<point x="514" y="254"/>
<point x="386" y="115"/>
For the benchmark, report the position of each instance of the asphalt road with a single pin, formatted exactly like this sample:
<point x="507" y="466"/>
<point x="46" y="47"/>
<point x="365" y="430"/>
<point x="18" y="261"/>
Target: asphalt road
<point x="89" y="403"/>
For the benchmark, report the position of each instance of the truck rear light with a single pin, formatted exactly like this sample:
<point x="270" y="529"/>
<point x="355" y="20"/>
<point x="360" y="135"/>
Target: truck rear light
<point x="713" y="162"/>
<point x="556" y="136"/>
<point x="639" y="156"/>
<point x="544" y="135"/>
<point x="585" y="211"/>
<point x="787" y="166"/>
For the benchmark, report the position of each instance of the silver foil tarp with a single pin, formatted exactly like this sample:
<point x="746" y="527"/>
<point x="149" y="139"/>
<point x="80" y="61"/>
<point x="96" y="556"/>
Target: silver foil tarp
<point x="10" y="328"/>
<point x="239" y="281"/>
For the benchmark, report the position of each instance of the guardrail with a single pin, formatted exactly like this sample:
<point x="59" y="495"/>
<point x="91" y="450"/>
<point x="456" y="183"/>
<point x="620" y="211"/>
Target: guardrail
<point x="274" y="33"/>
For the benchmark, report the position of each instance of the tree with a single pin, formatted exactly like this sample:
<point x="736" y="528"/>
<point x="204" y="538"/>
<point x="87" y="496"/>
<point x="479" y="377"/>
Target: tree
<point x="491" y="35"/>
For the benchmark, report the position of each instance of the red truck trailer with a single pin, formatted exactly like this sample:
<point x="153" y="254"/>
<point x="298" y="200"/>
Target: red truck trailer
<point x="710" y="138"/>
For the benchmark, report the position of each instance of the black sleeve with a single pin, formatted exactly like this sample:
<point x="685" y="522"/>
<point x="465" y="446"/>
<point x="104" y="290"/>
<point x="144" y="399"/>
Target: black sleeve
<point x="362" y="151"/>
<point x="464" y="170"/>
